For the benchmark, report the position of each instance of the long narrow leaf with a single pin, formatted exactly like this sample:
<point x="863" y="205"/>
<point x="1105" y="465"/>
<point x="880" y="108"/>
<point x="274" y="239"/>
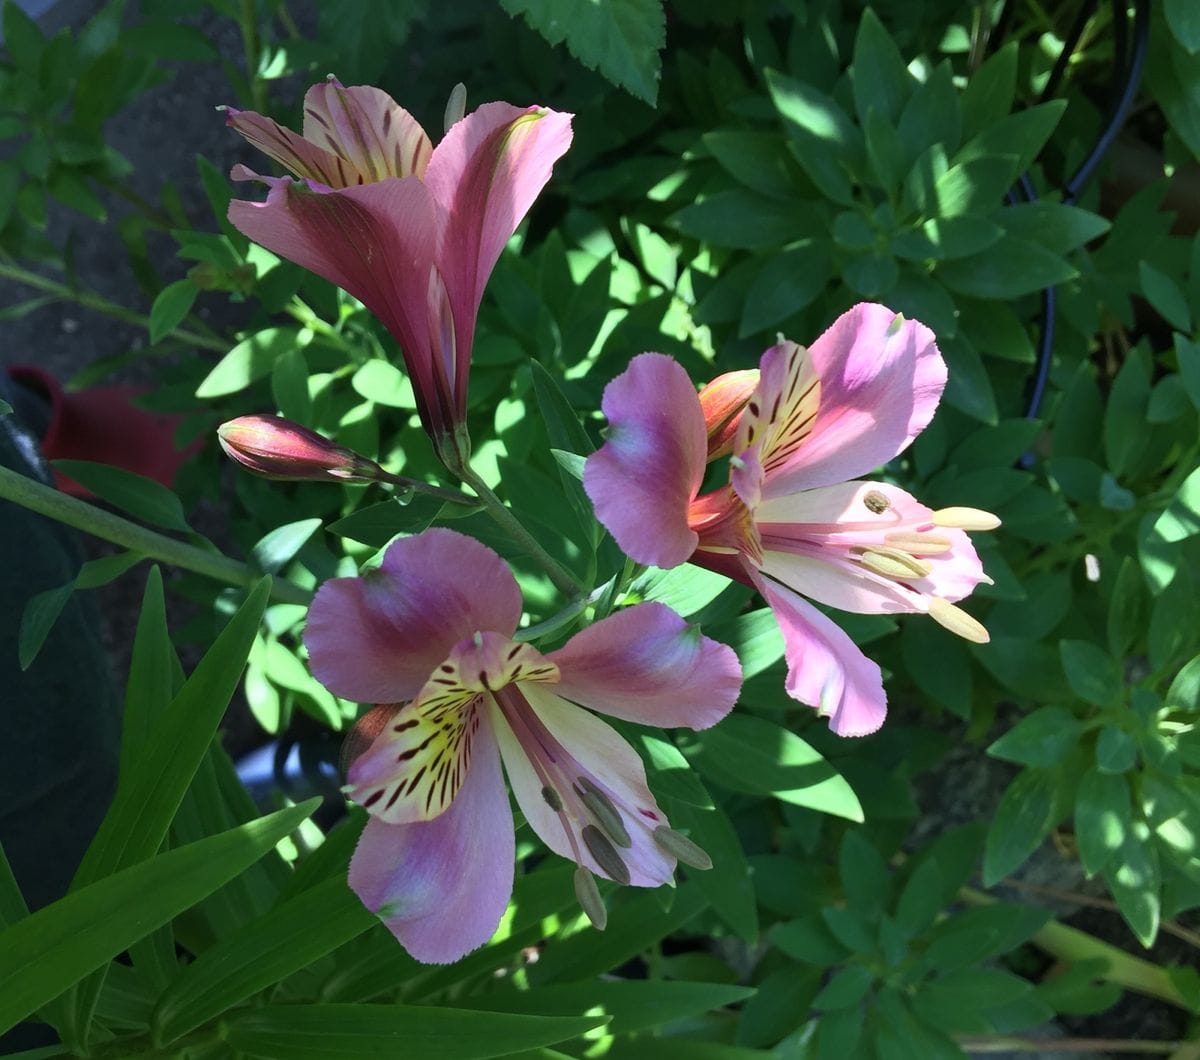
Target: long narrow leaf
<point x="287" y="939"/>
<point x="62" y="942"/>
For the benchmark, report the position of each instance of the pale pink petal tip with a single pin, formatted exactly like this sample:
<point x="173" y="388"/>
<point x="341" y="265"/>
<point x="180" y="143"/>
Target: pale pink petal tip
<point x="644" y="477"/>
<point x="646" y="664"/>
<point x="441" y="886"/>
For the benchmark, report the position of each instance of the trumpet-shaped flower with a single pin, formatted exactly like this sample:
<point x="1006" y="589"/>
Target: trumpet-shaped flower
<point x="793" y="521"/>
<point x="411" y="230"/>
<point x="431" y="630"/>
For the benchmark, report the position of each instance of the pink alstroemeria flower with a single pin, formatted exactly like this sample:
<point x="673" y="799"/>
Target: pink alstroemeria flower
<point x="793" y="522"/>
<point x="410" y="230"/>
<point x="432" y="629"/>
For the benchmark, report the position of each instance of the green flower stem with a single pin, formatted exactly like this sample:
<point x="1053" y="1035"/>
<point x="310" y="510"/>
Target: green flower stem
<point x="999" y="1043"/>
<point x="511" y="525"/>
<point x="440" y="492"/>
<point x="102" y="305"/>
<point x="248" y="23"/>
<point x="109" y="527"/>
<point x="1068" y="943"/>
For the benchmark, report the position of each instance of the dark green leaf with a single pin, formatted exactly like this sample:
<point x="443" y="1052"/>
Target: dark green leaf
<point x="1102" y="818"/>
<point x="1183" y="18"/>
<point x="1094" y="675"/>
<point x="974" y="989"/>
<point x="809" y="939"/>
<point x="880" y="76"/>
<point x="141" y="497"/>
<point x="1116" y="750"/>
<point x="377" y="524"/>
<point x="740" y="218"/>
<point x="620" y="39"/>
<point x="847" y="987"/>
<point x="558" y="414"/>
<point x="1055" y="226"/>
<point x="789" y="282"/>
<point x="64" y="941"/>
<point x="1024" y="817"/>
<point x="1125" y="608"/>
<point x="1006" y="270"/>
<point x="1022" y="134"/>
<point x="1181" y="519"/>
<point x="1164" y="294"/>
<point x="728" y="884"/>
<point x="745" y="753"/>
<point x="38" y="618"/>
<point x="1135" y="883"/>
<point x="1125" y="435"/>
<point x="290" y="937"/>
<point x="782" y="1002"/>
<point x="975" y="186"/>
<point x="1184" y="693"/>
<point x="866" y="881"/>
<point x="1042" y="739"/>
<point x="173" y="303"/>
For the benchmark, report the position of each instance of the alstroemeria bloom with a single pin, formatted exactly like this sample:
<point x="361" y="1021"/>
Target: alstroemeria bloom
<point x="411" y="230"/>
<point x="793" y="522"/>
<point x="432" y="629"/>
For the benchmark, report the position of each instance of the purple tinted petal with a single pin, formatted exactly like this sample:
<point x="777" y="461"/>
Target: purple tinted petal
<point x="646" y="664"/>
<point x="590" y="749"/>
<point x="375" y="241"/>
<point x="826" y="669"/>
<point x="295" y="153"/>
<point x="377" y="638"/>
<point x="366" y="127"/>
<point x="643" y="478"/>
<point x="881" y="378"/>
<point x="441" y="886"/>
<point x="485" y="174"/>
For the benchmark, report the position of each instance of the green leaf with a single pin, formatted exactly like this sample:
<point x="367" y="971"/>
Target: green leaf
<point x="847" y="987"/>
<point x="335" y="1032"/>
<point x="788" y="283"/>
<point x="1165" y="296"/>
<point x="5" y="408"/>
<point x="1125" y="434"/>
<point x="620" y="39"/>
<point x="973" y="989"/>
<point x="866" y="881"/>
<point x="754" y="159"/>
<point x="728" y="885"/>
<point x="811" y="113"/>
<point x="289" y="386"/>
<point x="1022" y="135"/>
<point x="1125" y="608"/>
<point x="1181" y="518"/>
<point x="22" y="38"/>
<point x="685" y="589"/>
<point x="880" y="76"/>
<point x="1042" y="739"/>
<point x="939" y="665"/>
<point x="377" y="524"/>
<point x="64" y="941"/>
<point x="633" y="1005"/>
<point x="290" y="937"/>
<point x="945" y="238"/>
<point x="1021" y="821"/>
<point x="975" y="186"/>
<point x="278" y="547"/>
<point x="151" y="682"/>
<point x="558" y="414"/>
<point x="383" y="383"/>
<point x="250" y="359"/>
<point x="141" y="497"/>
<point x="1135" y="883"/>
<point x="781" y="1003"/>
<point x="988" y="95"/>
<point x="750" y="754"/>
<point x="1006" y="270"/>
<point x="1102" y="818"/>
<point x="1093" y="674"/>
<point x="38" y="618"/>
<point x="809" y="939"/>
<point x="921" y="901"/>
<point x="172" y="304"/>
<point x="1188" y="355"/>
<point x="1184" y="693"/>
<point x="1053" y="225"/>
<point x="1116" y="750"/>
<point x="756" y="638"/>
<point x="1183" y="18"/>
<point x="741" y="218"/>
<point x="12" y="902"/>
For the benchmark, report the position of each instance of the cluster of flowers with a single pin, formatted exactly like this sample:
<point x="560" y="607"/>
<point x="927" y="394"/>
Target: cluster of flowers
<point x="413" y="231"/>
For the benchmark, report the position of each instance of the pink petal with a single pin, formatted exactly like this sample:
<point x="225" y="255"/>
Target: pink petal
<point x="295" y="153"/>
<point x="375" y="241"/>
<point x="826" y="669"/>
<point x="588" y="748"/>
<point x="485" y="174"/>
<point x="881" y="379"/>
<point x="366" y="127"/>
<point x="813" y="541"/>
<point x="643" y="478"/>
<point x="441" y="886"/>
<point x="378" y="638"/>
<point x="646" y="664"/>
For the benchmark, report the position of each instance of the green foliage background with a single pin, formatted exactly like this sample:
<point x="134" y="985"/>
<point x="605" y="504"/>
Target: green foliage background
<point x="758" y="167"/>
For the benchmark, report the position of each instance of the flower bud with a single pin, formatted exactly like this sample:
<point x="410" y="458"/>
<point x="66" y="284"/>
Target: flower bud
<point x="722" y="401"/>
<point x="280" y="449"/>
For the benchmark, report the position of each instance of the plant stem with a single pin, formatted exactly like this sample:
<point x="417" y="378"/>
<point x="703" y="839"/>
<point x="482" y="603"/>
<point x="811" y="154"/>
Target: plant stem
<point x="1068" y="943"/>
<point x="1003" y="1044"/>
<point x="100" y="523"/>
<point x="102" y="305"/>
<point x="440" y="492"/>
<point x="509" y="523"/>
<point x="248" y="23"/>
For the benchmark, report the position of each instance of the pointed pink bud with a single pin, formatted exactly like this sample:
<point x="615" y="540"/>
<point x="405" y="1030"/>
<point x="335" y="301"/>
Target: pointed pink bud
<point x="280" y="449"/>
<point x="722" y="401"/>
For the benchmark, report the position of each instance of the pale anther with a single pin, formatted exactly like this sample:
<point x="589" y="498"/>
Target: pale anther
<point x="918" y="544"/>
<point x="605" y="812"/>
<point x="956" y="620"/>
<point x="605" y="854"/>
<point x="965" y="519"/>
<point x="552" y="799"/>
<point x="681" y="848"/>
<point x="456" y="107"/>
<point x="588" y="896"/>
<point x="894" y="563"/>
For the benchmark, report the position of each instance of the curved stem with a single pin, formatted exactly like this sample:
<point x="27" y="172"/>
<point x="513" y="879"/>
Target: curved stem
<point x="418" y="485"/>
<point x="555" y="571"/>
<point x="1000" y="1043"/>
<point x="100" y="523"/>
<point x="102" y="305"/>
